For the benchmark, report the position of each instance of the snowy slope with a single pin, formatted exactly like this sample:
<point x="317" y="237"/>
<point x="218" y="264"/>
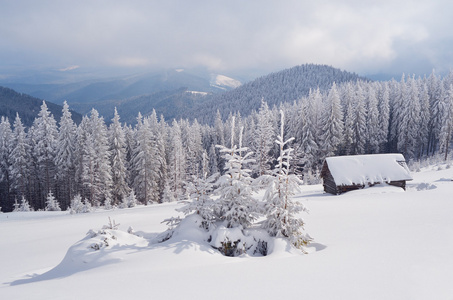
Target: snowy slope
<point x="375" y="243"/>
<point x="224" y="82"/>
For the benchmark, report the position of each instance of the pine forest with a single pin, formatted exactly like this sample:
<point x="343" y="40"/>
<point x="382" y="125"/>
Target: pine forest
<point x="60" y="165"/>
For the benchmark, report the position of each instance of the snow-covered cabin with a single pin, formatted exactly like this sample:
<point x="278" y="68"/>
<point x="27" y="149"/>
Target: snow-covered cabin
<point x="345" y="173"/>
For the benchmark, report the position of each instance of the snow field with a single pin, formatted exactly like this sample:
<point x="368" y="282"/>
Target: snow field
<point x="375" y="243"/>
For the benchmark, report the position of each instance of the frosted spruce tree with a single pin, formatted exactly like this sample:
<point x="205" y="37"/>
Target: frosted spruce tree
<point x="20" y="158"/>
<point x="349" y="118"/>
<point x="176" y="162"/>
<point x="410" y="120"/>
<point x="65" y="157"/>
<point x="44" y="135"/>
<point x="436" y="92"/>
<point x="332" y="124"/>
<point x="96" y="171"/>
<point x="52" y="203"/>
<point x="6" y="140"/>
<point x="129" y="201"/>
<point x="372" y="121"/>
<point x="280" y="209"/>
<point x="200" y="201"/>
<point x="78" y="206"/>
<point x="24" y="206"/>
<point x="359" y="136"/>
<point x="117" y="143"/>
<point x="193" y="147"/>
<point x="235" y="204"/>
<point x="425" y="116"/>
<point x="446" y="130"/>
<point x="384" y="116"/>
<point x="262" y="141"/>
<point x="145" y="165"/>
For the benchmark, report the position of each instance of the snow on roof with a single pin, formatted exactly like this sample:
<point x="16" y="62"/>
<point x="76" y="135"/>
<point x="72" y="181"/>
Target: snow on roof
<point x="363" y="169"/>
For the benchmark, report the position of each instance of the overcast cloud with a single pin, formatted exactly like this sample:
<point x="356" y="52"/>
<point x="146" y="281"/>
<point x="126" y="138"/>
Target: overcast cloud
<point x="365" y="37"/>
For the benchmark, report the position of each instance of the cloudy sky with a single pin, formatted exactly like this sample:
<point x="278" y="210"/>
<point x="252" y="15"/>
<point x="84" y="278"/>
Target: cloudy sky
<point x="229" y="36"/>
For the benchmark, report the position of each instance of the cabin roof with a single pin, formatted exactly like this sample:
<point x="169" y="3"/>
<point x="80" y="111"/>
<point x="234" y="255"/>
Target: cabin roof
<point x="364" y="169"/>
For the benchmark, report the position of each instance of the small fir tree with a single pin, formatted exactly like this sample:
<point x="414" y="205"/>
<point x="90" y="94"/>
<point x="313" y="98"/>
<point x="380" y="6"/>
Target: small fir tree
<point x="23" y="206"/>
<point x="76" y="205"/>
<point x="281" y="211"/>
<point x="52" y="203"/>
<point x="199" y="190"/>
<point x="235" y="204"/>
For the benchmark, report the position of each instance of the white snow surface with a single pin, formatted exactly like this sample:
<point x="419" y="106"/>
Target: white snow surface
<point x="376" y="243"/>
<point x="364" y="169"/>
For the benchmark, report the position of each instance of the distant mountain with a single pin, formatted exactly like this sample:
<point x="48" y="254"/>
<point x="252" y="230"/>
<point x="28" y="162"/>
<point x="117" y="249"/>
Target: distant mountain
<point x="120" y="88"/>
<point x="168" y="103"/>
<point x="284" y="86"/>
<point x="177" y="93"/>
<point x="28" y="107"/>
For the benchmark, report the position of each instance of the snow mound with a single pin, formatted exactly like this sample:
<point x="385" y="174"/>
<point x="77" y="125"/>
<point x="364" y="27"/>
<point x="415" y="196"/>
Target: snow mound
<point x="227" y="241"/>
<point x="98" y="248"/>
<point x="101" y="247"/>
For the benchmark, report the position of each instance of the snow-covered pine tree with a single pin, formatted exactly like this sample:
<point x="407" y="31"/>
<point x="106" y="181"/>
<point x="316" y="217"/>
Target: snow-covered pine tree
<point x="76" y="206"/>
<point x="131" y="199"/>
<point x="360" y="128"/>
<point x="52" y="203"/>
<point x="65" y="157"/>
<point x="349" y="118"/>
<point x="145" y="165"/>
<point x="332" y="120"/>
<point x="168" y="195"/>
<point x="425" y="116"/>
<point x="435" y="91"/>
<point x="398" y="92"/>
<point x="372" y="121"/>
<point x="262" y="141"/>
<point x="280" y="209"/>
<point x="409" y="125"/>
<point x="308" y="149"/>
<point x="446" y="130"/>
<point x="177" y="162"/>
<point x="384" y="116"/>
<point x="158" y="133"/>
<point x="235" y="204"/>
<point x="314" y="121"/>
<point x="219" y="139"/>
<point x="6" y="141"/>
<point x="162" y="156"/>
<point x="117" y="143"/>
<point x="44" y="136"/>
<point x="24" y="206"/>
<point x="200" y="201"/>
<point x="96" y="172"/>
<point x="20" y="159"/>
<point x="191" y="136"/>
<point x="213" y="163"/>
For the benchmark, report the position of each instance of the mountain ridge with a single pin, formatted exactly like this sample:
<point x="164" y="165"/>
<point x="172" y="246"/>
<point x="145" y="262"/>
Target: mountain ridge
<point x="28" y="107"/>
<point x="278" y="87"/>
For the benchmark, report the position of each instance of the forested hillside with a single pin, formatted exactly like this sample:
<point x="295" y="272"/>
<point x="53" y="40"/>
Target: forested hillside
<point x="284" y="86"/>
<point x="156" y="161"/>
<point x="27" y="106"/>
<point x="168" y="103"/>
